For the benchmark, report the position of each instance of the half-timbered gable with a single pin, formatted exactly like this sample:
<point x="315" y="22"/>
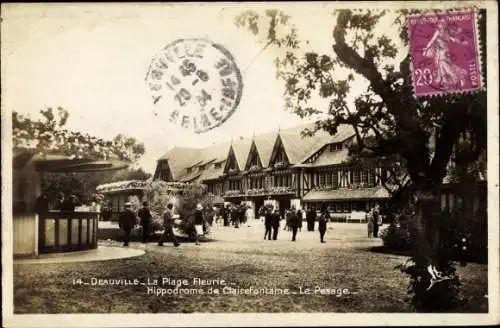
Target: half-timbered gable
<point x="278" y="155"/>
<point x="253" y="160"/>
<point x="231" y="162"/>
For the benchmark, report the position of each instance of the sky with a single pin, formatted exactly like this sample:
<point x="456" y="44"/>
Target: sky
<point x="92" y="59"/>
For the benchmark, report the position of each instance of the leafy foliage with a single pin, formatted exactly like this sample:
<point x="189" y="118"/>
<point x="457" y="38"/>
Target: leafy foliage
<point x="159" y="194"/>
<point x="48" y="135"/>
<point x="415" y="138"/>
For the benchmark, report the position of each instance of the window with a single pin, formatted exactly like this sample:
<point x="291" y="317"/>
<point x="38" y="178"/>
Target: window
<point x="189" y="169"/>
<point x="218" y="165"/>
<point x="364" y="177"/>
<point x="371" y="178"/>
<point x="346" y="207"/>
<point x="335" y="147"/>
<point x="201" y="167"/>
<point x="322" y="179"/>
<point x="355" y="177"/>
<point x="329" y="179"/>
<point x="335" y="179"/>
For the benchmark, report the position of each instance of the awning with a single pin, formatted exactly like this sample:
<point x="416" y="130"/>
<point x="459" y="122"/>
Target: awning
<point x="343" y="194"/>
<point x="62" y="163"/>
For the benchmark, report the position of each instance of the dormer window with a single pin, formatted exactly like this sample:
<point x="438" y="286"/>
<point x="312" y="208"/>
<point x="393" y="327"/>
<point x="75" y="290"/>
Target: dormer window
<point x="201" y="167"/>
<point x="189" y="169"/>
<point x="218" y="165"/>
<point x="335" y="147"/>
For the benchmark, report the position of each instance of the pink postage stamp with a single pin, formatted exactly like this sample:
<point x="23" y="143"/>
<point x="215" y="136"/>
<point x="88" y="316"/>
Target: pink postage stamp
<point x="445" y="56"/>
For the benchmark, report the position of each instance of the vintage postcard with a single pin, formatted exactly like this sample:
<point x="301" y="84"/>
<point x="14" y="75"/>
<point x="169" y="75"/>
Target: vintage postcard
<point x="250" y="164"/>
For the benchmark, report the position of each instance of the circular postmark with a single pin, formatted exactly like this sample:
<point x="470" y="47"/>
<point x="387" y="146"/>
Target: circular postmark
<point x="197" y="81"/>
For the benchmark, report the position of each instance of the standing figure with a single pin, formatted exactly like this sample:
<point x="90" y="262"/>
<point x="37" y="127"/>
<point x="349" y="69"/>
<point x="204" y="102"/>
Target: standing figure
<point x="369" y="224"/>
<point x="42" y="205"/>
<point x="126" y="222"/>
<point x="168" y="221"/>
<point x="376" y="218"/>
<point x="198" y="223"/>
<point x="268" y="223"/>
<point x="225" y="215"/>
<point x="145" y="215"/>
<point x="310" y="217"/>
<point x="288" y="216"/>
<point x="295" y="219"/>
<point x="322" y="221"/>
<point x="275" y="223"/>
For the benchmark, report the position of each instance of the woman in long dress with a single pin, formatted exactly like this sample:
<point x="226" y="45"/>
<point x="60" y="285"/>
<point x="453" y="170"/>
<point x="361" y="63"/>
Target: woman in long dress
<point x="448" y="74"/>
<point x="370" y="225"/>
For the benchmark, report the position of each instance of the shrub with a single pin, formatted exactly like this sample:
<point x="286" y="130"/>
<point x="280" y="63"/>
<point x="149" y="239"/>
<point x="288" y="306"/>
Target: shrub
<point x="397" y="236"/>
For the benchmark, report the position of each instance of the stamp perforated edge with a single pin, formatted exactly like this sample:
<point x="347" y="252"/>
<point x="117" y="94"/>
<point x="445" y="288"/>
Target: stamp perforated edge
<point x="477" y="43"/>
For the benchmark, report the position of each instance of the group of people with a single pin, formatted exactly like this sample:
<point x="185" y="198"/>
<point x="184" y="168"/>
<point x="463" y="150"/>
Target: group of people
<point x="232" y="214"/>
<point x="294" y="218"/>
<point x="128" y="220"/>
<point x="63" y="203"/>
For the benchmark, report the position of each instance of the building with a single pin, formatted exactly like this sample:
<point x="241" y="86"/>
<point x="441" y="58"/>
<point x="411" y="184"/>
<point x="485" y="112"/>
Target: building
<point x="282" y="168"/>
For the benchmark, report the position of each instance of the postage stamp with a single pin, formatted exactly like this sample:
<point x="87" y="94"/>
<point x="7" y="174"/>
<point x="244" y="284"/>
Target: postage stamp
<point x="445" y="52"/>
<point x="202" y="79"/>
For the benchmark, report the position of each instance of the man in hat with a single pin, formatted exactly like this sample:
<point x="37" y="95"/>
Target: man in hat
<point x="168" y="221"/>
<point x="145" y="215"/>
<point x="275" y="222"/>
<point x="267" y="221"/>
<point x="127" y="220"/>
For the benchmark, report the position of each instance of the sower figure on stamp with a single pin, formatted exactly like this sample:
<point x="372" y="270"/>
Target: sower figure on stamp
<point x="322" y="221"/>
<point x="168" y="221"/>
<point x="126" y="222"/>
<point x="145" y="215"/>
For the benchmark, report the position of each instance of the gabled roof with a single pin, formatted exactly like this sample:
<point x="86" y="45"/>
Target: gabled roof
<point x="179" y="158"/>
<point x="313" y="144"/>
<point x="253" y="148"/>
<point x="327" y="158"/>
<point x="241" y="150"/>
<point x="265" y="143"/>
<point x="298" y="147"/>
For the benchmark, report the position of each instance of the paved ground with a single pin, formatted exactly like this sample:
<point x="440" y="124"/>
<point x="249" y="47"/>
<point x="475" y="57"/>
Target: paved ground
<point x="245" y="261"/>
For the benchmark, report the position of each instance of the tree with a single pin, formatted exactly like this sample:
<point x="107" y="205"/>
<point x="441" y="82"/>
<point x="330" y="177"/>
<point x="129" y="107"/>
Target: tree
<point x="419" y="134"/>
<point x="48" y="135"/>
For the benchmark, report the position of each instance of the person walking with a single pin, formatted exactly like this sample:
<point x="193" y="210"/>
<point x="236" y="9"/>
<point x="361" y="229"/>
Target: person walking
<point x="322" y="221"/>
<point x="295" y="218"/>
<point x="198" y="223"/>
<point x="168" y="221"/>
<point x="376" y="219"/>
<point x="268" y="222"/>
<point x="225" y="215"/>
<point x="310" y="218"/>
<point x="126" y="222"/>
<point x="275" y="223"/>
<point x="145" y="215"/>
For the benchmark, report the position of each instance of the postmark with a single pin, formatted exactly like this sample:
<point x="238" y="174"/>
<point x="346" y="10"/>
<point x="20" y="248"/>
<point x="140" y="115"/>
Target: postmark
<point x="445" y="53"/>
<point x="197" y="82"/>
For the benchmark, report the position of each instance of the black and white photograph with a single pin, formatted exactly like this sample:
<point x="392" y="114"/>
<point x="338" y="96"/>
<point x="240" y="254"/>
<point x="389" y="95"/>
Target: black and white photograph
<point x="250" y="164"/>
